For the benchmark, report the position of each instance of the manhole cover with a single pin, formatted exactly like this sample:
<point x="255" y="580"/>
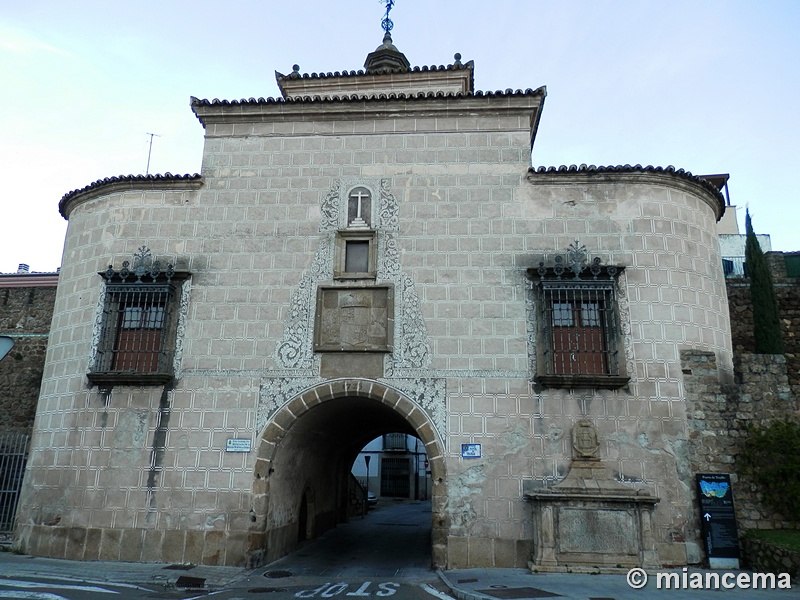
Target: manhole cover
<point x="518" y="593"/>
<point x="266" y="590"/>
<point x="277" y="574"/>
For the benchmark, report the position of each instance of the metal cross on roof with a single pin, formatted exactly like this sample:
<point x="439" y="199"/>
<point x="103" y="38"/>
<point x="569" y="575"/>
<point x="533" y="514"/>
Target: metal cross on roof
<point x="386" y="22"/>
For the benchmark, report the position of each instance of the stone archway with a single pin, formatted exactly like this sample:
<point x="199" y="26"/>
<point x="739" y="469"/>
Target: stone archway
<point x="315" y="437"/>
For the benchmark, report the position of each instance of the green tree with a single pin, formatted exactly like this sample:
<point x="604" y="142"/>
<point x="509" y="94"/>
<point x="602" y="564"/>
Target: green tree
<point x="770" y="458"/>
<point x="766" y="322"/>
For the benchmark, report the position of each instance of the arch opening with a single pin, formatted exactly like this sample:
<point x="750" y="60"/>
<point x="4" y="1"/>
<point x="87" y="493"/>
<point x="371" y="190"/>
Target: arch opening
<point x="304" y="474"/>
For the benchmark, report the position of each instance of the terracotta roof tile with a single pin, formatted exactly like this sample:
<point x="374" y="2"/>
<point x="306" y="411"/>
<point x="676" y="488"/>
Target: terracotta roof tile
<point x="132" y="180"/>
<point x="360" y="97"/>
<point x="360" y="73"/>
<point x="625" y="169"/>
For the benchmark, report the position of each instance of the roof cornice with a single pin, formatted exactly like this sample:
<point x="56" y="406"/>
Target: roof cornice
<point x="610" y="174"/>
<point x="355" y="106"/>
<point x="123" y="183"/>
<point x="469" y="65"/>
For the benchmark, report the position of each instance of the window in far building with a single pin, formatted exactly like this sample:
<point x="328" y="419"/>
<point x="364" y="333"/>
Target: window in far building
<point x="577" y="323"/>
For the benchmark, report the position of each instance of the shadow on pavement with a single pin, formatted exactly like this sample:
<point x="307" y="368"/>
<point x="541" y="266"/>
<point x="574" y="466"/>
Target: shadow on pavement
<point x="392" y="540"/>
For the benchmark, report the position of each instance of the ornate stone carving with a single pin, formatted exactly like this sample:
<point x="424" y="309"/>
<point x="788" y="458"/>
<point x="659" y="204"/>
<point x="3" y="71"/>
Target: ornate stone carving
<point x="584" y="440"/>
<point x="531" y="329"/>
<point x="329" y="209"/>
<point x="180" y="330"/>
<point x="410" y="349"/>
<point x="575" y="263"/>
<point x="354" y="319"/>
<point x="624" y="309"/>
<point x="296" y="350"/>
<point x="274" y="392"/>
<point x="427" y="392"/>
<point x="389" y="209"/>
<point x="414" y="351"/>
<point x="97" y="329"/>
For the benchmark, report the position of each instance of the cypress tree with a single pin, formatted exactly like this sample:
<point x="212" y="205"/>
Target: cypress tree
<point x="766" y="322"/>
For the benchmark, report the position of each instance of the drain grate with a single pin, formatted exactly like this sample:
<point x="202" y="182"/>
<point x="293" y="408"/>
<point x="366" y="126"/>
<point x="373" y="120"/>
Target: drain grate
<point x="267" y="590"/>
<point x="180" y="567"/>
<point x="518" y="593"/>
<point x="277" y="574"/>
<point x="190" y="582"/>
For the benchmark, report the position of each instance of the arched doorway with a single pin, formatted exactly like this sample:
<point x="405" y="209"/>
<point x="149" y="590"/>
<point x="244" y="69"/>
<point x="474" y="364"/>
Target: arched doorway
<point x="313" y="440"/>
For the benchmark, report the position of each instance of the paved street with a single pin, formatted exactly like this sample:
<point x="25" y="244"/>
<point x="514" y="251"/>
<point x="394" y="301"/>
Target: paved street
<point x="385" y="554"/>
<point x="392" y="540"/>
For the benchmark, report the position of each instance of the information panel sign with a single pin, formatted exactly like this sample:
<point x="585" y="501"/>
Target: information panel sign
<point x="238" y="445"/>
<point x="718" y="520"/>
<point x="470" y="451"/>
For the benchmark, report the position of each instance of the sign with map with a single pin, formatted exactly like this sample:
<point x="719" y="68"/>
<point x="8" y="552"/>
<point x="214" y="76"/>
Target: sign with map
<point x="718" y="519"/>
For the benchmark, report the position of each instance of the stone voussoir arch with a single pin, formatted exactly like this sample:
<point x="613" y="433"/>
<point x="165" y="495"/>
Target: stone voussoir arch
<point x="282" y="420"/>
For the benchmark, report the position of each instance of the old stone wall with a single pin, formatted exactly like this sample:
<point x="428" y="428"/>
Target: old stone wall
<point x="787" y="290"/>
<point x="762" y="556"/>
<point x="25" y="315"/>
<point x="718" y="417"/>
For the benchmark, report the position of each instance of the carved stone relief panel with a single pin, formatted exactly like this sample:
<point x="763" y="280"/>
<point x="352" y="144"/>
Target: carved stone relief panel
<point x="354" y="319"/>
<point x="326" y="316"/>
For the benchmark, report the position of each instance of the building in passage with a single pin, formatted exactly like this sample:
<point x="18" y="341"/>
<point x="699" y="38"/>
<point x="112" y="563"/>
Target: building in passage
<point x="371" y="254"/>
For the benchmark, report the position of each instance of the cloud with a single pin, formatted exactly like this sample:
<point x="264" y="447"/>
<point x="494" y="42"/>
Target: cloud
<point x="20" y="42"/>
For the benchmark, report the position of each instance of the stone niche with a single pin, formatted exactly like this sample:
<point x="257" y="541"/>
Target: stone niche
<point x="589" y="519"/>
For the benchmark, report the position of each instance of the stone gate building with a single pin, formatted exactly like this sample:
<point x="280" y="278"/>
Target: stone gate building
<point x="372" y="253"/>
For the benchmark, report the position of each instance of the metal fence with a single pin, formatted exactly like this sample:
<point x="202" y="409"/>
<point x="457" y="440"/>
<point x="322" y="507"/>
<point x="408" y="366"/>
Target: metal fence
<point x="13" y="454"/>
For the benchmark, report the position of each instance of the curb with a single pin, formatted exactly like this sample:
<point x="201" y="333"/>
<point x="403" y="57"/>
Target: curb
<point x="460" y="593"/>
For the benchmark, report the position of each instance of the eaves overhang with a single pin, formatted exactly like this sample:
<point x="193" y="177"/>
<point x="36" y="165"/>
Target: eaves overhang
<point x="124" y="183"/>
<point x="356" y="106"/>
<point x="632" y="174"/>
<point x="426" y="78"/>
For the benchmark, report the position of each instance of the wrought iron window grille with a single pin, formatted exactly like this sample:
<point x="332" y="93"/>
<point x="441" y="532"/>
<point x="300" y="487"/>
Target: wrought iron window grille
<point x="577" y="322"/>
<point x="135" y="334"/>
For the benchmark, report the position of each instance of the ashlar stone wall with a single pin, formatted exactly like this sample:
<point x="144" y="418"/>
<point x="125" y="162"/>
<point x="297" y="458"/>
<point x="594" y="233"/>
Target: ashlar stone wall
<point x="141" y="473"/>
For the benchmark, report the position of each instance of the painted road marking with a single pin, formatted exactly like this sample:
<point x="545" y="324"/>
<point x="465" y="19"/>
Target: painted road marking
<point x="21" y="595"/>
<point x="60" y="586"/>
<point x="329" y="590"/>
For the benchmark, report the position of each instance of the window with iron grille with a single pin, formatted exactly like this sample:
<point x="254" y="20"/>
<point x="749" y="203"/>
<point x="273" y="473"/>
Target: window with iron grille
<point x="135" y="340"/>
<point x="577" y="323"/>
<point x="395" y="442"/>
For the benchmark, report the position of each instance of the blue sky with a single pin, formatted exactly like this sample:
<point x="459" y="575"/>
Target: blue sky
<point x="707" y="86"/>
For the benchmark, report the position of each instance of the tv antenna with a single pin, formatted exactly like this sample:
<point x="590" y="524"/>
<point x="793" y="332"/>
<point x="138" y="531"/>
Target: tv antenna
<point x="150" y="151"/>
